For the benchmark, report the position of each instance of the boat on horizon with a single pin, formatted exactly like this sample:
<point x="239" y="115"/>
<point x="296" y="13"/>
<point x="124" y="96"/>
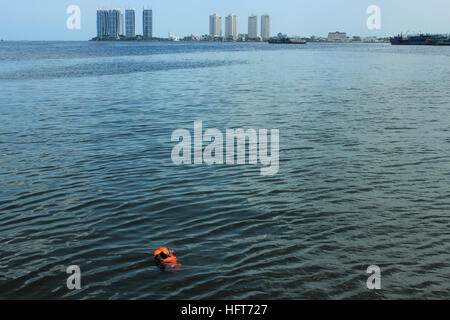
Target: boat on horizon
<point x="421" y="40"/>
<point x="284" y="39"/>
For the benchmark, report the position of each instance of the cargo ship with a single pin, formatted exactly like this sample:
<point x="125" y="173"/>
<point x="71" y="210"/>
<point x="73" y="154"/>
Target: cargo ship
<point x="421" y="40"/>
<point x="284" y="39"/>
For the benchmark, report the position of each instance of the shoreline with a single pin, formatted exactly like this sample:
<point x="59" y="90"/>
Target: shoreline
<point x="244" y="42"/>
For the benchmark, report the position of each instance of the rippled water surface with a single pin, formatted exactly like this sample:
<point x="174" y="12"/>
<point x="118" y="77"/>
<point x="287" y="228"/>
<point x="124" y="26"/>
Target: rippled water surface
<point x="87" y="179"/>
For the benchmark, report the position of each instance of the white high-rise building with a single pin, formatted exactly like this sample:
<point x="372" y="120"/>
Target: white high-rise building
<point x="102" y="24"/>
<point x="231" y="27"/>
<point x="121" y="24"/>
<point x="265" y="27"/>
<point x="147" y="21"/>
<point x="215" y="25"/>
<point x="253" y="27"/>
<point x="130" y="21"/>
<point x="114" y="23"/>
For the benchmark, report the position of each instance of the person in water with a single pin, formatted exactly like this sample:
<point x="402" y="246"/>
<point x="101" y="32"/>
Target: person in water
<point x="165" y="257"/>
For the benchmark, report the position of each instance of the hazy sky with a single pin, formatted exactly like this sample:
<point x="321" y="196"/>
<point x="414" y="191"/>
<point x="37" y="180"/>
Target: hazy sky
<point x="46" y="19"/>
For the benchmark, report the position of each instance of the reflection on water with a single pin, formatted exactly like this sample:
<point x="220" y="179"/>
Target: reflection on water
<point x="87" y="177"/>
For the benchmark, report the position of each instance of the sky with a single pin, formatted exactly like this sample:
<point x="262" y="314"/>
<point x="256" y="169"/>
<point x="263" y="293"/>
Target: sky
<point x="46" y="19"/>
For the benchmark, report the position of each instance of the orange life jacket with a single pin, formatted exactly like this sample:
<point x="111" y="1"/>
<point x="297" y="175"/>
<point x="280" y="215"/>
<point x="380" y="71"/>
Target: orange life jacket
<point x="165" y="256"/>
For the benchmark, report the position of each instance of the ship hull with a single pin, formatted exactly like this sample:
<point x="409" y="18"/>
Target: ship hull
<point x="287" y="42"/>
<point x="408" y="43"/>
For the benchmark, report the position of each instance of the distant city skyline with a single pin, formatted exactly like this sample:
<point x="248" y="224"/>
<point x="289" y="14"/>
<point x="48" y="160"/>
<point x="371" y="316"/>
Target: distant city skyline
<point x="47" y="21"/>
